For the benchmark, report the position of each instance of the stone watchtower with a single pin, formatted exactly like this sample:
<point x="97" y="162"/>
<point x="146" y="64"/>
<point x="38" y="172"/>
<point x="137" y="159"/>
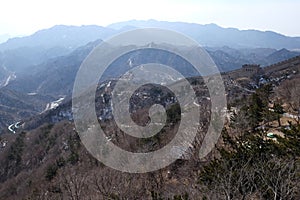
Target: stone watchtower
<point x="250" y="69"/>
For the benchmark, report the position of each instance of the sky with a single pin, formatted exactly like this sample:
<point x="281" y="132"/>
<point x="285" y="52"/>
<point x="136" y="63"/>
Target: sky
<point x="19" y="18"/>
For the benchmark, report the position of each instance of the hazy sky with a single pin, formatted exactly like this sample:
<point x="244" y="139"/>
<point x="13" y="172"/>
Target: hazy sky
<point x="23" y="17"/>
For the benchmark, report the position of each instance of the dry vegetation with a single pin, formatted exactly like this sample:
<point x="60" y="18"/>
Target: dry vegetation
<point x="49" y="162"/>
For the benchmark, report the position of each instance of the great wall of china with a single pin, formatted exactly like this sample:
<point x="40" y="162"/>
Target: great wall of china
<point x="249" y="70"/>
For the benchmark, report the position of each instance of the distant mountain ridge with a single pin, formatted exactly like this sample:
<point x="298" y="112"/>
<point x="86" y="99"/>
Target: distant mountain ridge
<point x="46" y="62"/>
<point x="227" y="58"/>
<point x="21" y="53"/>
<point x="56" y="76"/>
<point x="214" y="35"/>
<point x="70" y="37"/>
<point x="210" y="35"/>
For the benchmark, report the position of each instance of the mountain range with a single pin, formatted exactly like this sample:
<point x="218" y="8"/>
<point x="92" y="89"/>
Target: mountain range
<point x="210" y="35"/>
<point x="42" y="152"/>
<point x="214" y="35"/>
<point x="45" y="63"/>
<point x="20" y="54"/>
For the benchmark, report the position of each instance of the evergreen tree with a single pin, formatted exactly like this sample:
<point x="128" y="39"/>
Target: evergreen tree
<point x="278" y="110"/>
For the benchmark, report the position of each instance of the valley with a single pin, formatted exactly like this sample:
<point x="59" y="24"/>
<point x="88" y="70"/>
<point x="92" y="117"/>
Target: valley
<point x="256" y="157"/>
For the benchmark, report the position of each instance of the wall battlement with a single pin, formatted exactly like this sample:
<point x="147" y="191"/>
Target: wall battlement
<point x="250" y="70"/>
<point x="292" y="62"/>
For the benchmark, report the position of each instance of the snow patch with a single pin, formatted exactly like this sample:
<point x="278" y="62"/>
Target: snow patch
<point x="9" y="78"/>
<point x="54" y="104"/>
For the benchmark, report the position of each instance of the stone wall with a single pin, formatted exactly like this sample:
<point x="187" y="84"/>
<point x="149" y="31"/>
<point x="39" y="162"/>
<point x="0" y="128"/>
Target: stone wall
<point x="290" y="63"/>
<point x="249" y="70"/>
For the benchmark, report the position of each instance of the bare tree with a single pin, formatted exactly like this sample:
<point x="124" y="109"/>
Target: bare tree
<point x="232" y="179"/>
<point x="74" y="184"/>
<point x="290" y="92"/>
<point x="110" y="184"/>
<point x="279" y="177"/>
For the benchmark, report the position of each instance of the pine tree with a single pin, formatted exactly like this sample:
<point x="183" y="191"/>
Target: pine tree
<point x="278" y="110"/>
